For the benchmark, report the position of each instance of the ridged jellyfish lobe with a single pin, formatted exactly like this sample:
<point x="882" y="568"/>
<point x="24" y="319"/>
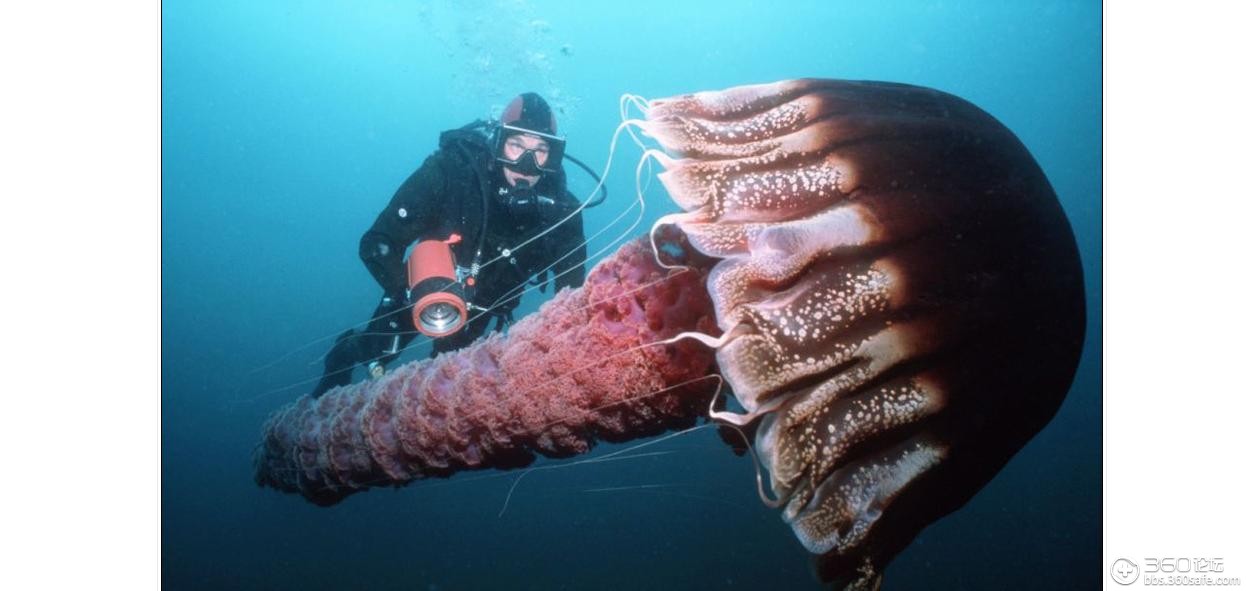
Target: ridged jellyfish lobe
<point x="900" y="290"/>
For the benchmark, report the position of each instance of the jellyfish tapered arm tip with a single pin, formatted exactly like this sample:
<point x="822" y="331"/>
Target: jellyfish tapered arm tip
<point x="588" y="365"/>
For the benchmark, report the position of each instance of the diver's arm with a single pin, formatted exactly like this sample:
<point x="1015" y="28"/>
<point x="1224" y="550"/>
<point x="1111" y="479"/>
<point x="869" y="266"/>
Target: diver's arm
<point x="410" y="214"/>
<point x="569" y="272"/>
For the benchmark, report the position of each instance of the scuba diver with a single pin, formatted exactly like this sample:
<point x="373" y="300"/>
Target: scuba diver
<point x="490" y="187"/>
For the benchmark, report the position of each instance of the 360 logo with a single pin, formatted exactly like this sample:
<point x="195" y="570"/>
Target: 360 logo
<point x="1124" y="571"/>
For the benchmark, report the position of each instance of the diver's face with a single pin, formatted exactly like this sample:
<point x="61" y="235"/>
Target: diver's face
<point x="514" y="148"/>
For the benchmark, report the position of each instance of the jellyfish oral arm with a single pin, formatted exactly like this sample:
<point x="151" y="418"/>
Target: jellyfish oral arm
<point x="599" y="362"/>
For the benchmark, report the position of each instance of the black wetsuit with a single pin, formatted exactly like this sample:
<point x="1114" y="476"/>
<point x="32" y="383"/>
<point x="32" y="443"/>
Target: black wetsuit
<point x="457" y="191"/>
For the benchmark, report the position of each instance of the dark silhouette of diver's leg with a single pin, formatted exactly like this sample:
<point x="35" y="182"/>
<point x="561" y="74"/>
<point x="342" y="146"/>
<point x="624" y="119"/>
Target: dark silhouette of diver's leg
<point x="338" y="363"/>
<point x="387" y="333"/>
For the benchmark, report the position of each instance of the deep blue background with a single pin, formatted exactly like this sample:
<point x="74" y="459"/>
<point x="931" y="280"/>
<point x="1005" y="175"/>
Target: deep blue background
<point x="288" y="125"/>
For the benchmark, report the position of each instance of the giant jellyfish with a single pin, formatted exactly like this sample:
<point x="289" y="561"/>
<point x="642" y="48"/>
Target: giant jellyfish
<point x="880" y="273"/>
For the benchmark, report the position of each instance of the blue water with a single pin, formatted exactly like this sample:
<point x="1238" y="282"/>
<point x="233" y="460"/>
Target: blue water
<point x="288" y="125"/>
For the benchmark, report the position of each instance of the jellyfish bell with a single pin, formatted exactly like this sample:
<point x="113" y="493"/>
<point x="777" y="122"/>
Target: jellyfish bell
<point x="899" y="292"/>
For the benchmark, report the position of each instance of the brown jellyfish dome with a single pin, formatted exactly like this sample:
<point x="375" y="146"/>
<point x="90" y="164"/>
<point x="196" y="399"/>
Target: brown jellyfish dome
<point x="899" y="291"/>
